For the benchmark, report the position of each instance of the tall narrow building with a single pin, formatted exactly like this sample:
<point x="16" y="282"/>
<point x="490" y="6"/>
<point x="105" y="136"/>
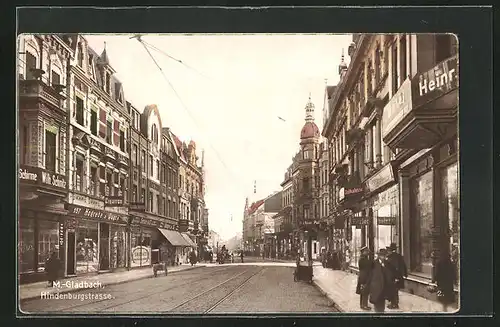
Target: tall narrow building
<point x="306" y="199"/>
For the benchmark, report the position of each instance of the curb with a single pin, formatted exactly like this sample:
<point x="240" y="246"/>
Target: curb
<point x="335" y="305"/>
<point x="115" y="283"/>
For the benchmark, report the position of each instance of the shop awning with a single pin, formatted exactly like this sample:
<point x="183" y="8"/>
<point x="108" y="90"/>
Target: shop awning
<point x="188" y="240"/>
<point x="175" y="238"/>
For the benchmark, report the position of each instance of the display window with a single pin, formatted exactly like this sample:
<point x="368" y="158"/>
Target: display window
<point x="386" y="233"/>
<point x="87" y="259"/>
<point x="451" y="212"/>
<point x="26" y="245"/>
<point x="422" y="223"/>
<point x="118" y="246"/>
<point x="140" y="248"/>
<point x="48" y="241"/>
<point x="356" y="243"/>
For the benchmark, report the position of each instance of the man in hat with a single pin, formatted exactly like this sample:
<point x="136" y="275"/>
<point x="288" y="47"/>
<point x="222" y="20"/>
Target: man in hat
<point x="365" y="266"/>
<point x="380" y="282"/>
<point x="397" y="265"/>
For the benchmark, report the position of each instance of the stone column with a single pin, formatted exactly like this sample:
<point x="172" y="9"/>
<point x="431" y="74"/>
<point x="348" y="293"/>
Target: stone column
<point x="404" y="219"/>
<point x="369" y="133"/>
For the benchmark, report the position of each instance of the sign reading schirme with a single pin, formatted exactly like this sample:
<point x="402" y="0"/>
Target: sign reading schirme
<point x="435" y="82"/>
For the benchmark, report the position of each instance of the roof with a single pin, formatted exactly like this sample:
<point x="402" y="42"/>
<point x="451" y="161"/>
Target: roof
<point x="330" y="90"/>
<point x="309" y="130"/>
<point x="178" y="145"/>
<point x="145" y="116"/>
<point x="255" y="206"/>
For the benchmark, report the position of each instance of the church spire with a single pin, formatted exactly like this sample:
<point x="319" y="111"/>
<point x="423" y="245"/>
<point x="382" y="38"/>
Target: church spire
<point x="342" y="65"/>
<point x="309" y="110"/>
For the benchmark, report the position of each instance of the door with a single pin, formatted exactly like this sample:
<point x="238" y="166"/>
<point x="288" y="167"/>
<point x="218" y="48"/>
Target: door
<point x="70" y="254"/>
<point x="104" y="246"/>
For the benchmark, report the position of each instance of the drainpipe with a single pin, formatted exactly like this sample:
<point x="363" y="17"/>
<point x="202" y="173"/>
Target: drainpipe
<point x="68" y="134"/>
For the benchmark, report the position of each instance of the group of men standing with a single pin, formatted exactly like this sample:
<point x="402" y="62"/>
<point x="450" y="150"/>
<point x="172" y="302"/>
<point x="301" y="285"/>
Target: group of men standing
<point x="380" y="279"/>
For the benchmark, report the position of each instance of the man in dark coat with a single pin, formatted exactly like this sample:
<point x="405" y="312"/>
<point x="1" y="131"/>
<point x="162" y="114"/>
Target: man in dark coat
<point x="241" y="255"/>
<point x="380" y="282"/>
<point x="397" y="265"/>
<point x="52" y="266"/>
<point x="365" y="266"/>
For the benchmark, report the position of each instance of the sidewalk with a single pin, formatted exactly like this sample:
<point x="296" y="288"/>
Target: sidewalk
<point x="33" y="290"/>
<point x="340" y="288"/>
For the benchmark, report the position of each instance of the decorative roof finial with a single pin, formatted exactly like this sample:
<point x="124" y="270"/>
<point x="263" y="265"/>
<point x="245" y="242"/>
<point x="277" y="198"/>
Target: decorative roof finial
<point x="104" y="45"/>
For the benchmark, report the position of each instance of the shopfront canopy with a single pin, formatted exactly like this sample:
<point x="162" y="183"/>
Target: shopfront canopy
<point x="188" y="240"/>
<point x="175" y="238"/>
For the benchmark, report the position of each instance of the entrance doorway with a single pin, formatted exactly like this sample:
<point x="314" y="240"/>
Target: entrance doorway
<point x="70" y="254"/>
<point x="104" y="246"/>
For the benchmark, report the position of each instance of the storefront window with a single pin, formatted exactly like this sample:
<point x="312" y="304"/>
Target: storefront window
<point x="118" y="247"/>
<point x="48" y="238"/>
<point x="26" y="245"/>
<point x="385" y="218"/>
<point x="140" y="248"/>
<point x="356" y="243"/>
<point x="451" y="210"/>
<point x="87" y="259"/>
<point x="422" y="224"/>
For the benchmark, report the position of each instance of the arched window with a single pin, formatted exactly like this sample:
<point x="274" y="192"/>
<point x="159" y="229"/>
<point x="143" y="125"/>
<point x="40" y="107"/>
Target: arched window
<point x="154" y="134"/>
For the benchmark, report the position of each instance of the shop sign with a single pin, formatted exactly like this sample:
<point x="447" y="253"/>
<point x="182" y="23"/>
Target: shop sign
<point x="359" y="221"/>
<point x="383" y="177"/>
<point x="346" y="193"/>
<point x="141" y="255"/>
<point x="95" y="214"/>
<point x="53" y="179"/>
<point x="40" y="176"/>
<point x="114" y="201"/>
<point x="150" y="222"/>
<point x="397" y="107"/>
<point x="435" y="82"/>
<point x="61" y="234"/>
<point x="386" y="220"/>
<point x="137" y="206"/>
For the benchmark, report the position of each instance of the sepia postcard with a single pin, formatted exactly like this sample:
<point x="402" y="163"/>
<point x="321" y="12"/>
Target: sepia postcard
<point x="184" y="174"/>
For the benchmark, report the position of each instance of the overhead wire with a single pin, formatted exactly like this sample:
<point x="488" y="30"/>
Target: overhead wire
<point x="188" y="111"/>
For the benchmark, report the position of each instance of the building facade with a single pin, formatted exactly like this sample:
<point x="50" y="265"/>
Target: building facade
<point x="307" y="187"/>
<point x="43" y="66"/>
<point x="192" y="194"/>
<point x="392" y="137"/>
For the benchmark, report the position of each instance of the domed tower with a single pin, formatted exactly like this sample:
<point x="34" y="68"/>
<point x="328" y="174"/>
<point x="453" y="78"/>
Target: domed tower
<point x="342" y="66"/>
<point x="309" y="135"/>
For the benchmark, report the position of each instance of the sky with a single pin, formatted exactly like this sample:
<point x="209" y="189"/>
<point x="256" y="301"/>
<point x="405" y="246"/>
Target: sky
<point x="227" y="95"/>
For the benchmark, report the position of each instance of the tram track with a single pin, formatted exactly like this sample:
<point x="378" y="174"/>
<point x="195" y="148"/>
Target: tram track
<point x="190" y="280"/>
<point x="189" y="305"/>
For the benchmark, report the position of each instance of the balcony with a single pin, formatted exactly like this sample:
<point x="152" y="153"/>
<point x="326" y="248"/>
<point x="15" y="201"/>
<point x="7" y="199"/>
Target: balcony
<point x="424" y="110"/>
<point x="110" y="154"/>
<point x="35" y="92"/>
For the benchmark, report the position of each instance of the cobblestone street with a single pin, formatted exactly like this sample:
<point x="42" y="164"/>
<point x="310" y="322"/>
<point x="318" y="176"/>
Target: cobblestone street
<point x="213" y="289"/>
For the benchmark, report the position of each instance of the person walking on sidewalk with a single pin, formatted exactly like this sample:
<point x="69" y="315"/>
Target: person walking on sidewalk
<point x="365" y="267"/>
<point x="241" y="255"/>
<point x="52" y="266"/>
<point x="445" y="279"/>
<point x="397" y="265"/>
<point x="380" y="282"/>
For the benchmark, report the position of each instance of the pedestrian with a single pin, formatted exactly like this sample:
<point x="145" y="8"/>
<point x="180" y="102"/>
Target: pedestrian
<point x="232" y="257"/>
<point x="211" y="256"/>
<point x="365" y="267"/>
<point x="241" y="255"/>
<point x="445" y="278"/>
<point x="397" y="265"/>
<point x="52" y="266"/>
<point x="380" y="282"/>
